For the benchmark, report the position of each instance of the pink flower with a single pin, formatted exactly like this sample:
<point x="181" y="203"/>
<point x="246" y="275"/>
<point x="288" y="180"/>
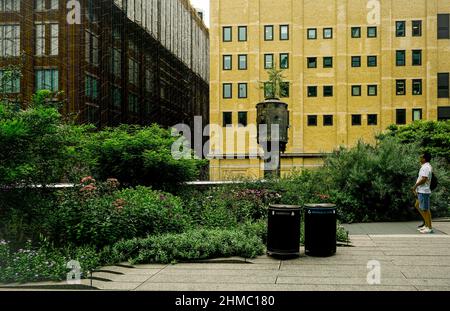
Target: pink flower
<point x="87" y="179"/>
<point x="88" y="188"/>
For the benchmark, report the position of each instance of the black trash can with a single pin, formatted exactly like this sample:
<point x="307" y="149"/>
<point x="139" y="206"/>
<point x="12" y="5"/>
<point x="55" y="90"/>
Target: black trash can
<point x="320" y="229"/>
<point x="283" y="230"/>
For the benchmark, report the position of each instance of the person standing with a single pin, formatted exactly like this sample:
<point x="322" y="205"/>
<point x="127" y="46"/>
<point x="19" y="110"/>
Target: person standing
<point x="422" y="189"/>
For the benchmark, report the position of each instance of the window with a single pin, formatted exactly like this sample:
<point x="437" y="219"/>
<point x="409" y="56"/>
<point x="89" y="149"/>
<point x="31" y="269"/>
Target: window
<point x="356" y="32"/>
<point x="91" y="88"/>
<point x="9" y="82"/>
<point x="133" y="103"/>
<point x="443" y="113"/>
<point x="242" y="90"/>
<point x="268" y="61"/>
<point x="443" y="26"/>
<point x="92" y="113"/>
<point x="400" y="58"/>
<point x="356" y="61"/>
<point x="312" y="33"/>
<point x="116" y="62"/>
<point x="40" y="39"/>
<point x="47" y="79"/>
<point x="9" y="5"/>
<point x="400" y="29"/>
<point x="417" y="57"/>
<point x="227" y="35"/>
<point x="54" y="39"/>
<point x="133" y="72"/>
<point x="284" y="61"/>
<point x="312" y="91"/>
<point x="284" y="32"/>
<point x="149" y="81"/>
<point x="417" y="114"/>
<point x="312" y="62"/>
<point x="39" y="5"/>
<point x="328" y="62"/>
<point x="92" y="50"/>
<point x="312" y="120"/>
<point x="400" y="87"/>
<point x="400" y="116"/>
<point x="242" y="33"/>
<point x="242" y="64"/>
<point x="227" y="119"/>
<point x="227" y="62"/>
<point x="268" y="33"/>
<point x="417" y="86"/>
<point x="328" y="91"/>
<point x="54" y="4"/>
<point x="242" y="118"/>
<point x="371" y="32"/>
<point x="328" y="33"/>
<point x="116" y="97"/>
<point x="9" y="40"/>
<point x="371" y="61"/>
<point x="268" y="90"/>
<point x="328" y="120"/>
<point x="284" y="89"/>
<point x="227" y="90"/>
<point x="417" y="28"/>
<point x="356" y="90"/>
<point x="372" y="90"/>
<point x="443" y="85"/>
<point x="372" y="119"/>
<point x="356" y="120"/>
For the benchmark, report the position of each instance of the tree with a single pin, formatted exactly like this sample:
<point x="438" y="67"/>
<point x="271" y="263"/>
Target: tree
<point x="273" y="88"/>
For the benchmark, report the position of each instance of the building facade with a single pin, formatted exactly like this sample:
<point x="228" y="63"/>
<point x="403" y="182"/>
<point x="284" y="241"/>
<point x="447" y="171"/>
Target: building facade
<point x="116" y="61"/>
<point x="352" y="69"/>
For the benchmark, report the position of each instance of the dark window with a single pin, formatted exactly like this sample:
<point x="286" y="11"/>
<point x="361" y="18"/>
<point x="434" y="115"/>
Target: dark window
<point x="356" y="32"/>
<point x="268" y="33"/>
<point x="312" y="33"/>
<point x="372" y="90"/>
<point x="371" y="61"/>
<point x="328" y="62"/>
<point x="312" y="62"/>
<point x="268" y="90"/>
<point x="328" y="120"/>
<point x="284" y="32"/>
<point x="417" y="28"/>
<point x="443" y="113"/>
<point x="356" y="61"/>
<point x="400" y="87"/>
<point x="356" y="119"/>
<point x="227" y="90"/>
<point x="242" y="118"/>
<point x="400" y="116"/>
<point x="443" y="26"/>
<point x="356" y="90"/>
<point x="328" y="33"/>
<point x="312" y="120"/>
<point x="312" y="91"/>
<point x="371" y="32"/>
<point x="443" y="87"/>
<point x="242" y="90"/>
<point x="227" y="34"/>
<point x="400" y="58"/>
<point x="268" y="61"/>
<point x="242" y="33"/>
<point x="227" y="62"/>
<point x="242" y="62"/>
<point x="417" y="86"/>
<point x="284" y="89"/>
<point x="227" y="119"/>
<point x="284" y="61"/>
<point x="328" y="91"/>
<point x="400" y="29"/>
<point x="372" y="119"/>
<point x="417" y="114"/>
<point x="417" y="57"/>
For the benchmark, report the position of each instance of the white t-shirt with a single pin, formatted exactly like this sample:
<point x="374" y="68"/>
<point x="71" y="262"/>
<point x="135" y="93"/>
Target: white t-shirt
<point x="425" y="171"/>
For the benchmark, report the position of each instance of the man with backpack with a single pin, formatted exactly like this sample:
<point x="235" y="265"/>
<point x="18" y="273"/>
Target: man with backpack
<point x="422" y="189"/>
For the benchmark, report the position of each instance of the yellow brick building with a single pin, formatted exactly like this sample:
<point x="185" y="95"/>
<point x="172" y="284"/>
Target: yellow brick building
<point x="353" y="66"/>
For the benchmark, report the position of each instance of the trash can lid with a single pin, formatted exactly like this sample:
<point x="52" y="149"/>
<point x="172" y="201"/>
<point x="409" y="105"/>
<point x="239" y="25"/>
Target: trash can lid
<point x="280" y="206"/>
<point x="322" y="205"/>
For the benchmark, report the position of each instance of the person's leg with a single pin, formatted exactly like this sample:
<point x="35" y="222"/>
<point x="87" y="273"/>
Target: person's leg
<point x="417" y="206"/>
<point x="424" y="206"/>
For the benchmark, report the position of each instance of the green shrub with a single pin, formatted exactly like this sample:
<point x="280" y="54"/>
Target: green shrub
<point x="190" y="245"/>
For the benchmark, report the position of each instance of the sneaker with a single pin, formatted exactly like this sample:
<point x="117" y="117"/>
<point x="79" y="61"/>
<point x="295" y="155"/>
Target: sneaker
<point x="421" y="226"/>
<point x="426" y="230"/>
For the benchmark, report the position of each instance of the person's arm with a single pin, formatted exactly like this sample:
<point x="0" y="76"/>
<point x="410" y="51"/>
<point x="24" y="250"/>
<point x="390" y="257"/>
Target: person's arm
<point x="422" y="181"/>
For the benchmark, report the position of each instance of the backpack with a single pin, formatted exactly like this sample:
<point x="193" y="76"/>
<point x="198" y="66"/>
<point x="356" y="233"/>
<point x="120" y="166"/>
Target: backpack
<point x="434" y="182"/>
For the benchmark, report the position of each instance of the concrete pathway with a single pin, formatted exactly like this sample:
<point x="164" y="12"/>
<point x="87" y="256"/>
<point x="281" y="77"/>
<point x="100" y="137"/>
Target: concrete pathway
<point x="408" y="262"/>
